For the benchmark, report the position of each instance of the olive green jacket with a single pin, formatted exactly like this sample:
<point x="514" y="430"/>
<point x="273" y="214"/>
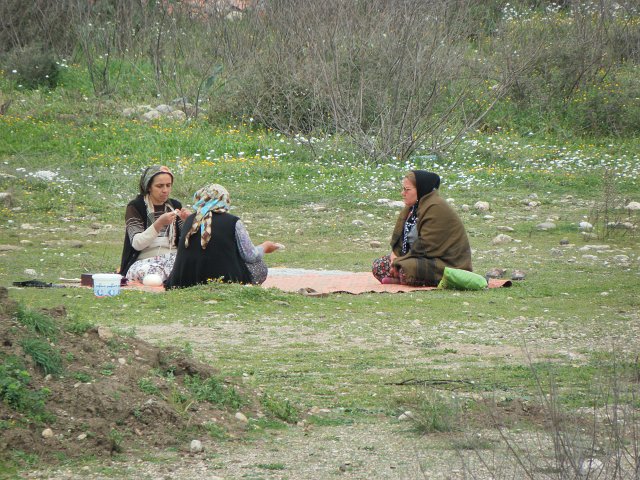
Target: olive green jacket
<point x="442" y="242"/>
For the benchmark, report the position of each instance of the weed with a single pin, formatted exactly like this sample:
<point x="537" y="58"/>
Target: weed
<point x="38" y="322"/>
<point x="15" y="391"/>
<point x="216" y="431"/>
<point x="117" y="346"/>
<point x="281" y="409"/>
<point x="43" y="354"/>
<point x="116" y="438"/>
<point x="148" y="387"/>
<point x="82" y="377"/>
<point x="434" y="412"/>
<point x="107" y="369"/>
<point x="79" y="326"/>
<point x="272" y="466"/>
<point x="213" y="391"/>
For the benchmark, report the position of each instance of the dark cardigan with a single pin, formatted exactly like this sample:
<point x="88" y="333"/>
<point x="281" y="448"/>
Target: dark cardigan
<point x="130" y="254"/>
<point x="221" y="259"/>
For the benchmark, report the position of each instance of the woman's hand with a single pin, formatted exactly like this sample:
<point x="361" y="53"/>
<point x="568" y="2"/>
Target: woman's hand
<point x="269" y="246"/>
<point x="183" y="213"/>
<point x="163" y="220"/>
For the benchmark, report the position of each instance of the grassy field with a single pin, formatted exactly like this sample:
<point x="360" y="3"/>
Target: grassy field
<point x="69" y="166"/>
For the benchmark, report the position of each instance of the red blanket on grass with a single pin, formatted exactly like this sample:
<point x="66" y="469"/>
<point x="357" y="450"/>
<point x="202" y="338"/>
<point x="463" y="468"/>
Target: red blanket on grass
<point x="323" y="282"/>
<point x="310" y="282"/>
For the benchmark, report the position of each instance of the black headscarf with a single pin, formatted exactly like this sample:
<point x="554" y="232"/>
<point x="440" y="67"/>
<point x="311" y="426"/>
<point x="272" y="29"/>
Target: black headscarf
<point x="426" y="182"/>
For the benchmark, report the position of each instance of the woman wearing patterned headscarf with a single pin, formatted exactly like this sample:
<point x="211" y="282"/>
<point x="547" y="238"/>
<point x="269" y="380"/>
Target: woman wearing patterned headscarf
<point x="428" y="236"/>
<point x="215" y="245"/>
<point x="153" y="223"/>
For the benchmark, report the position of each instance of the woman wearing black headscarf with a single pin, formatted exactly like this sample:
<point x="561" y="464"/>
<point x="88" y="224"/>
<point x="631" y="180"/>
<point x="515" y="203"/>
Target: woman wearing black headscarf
<point x="427" y="237"/>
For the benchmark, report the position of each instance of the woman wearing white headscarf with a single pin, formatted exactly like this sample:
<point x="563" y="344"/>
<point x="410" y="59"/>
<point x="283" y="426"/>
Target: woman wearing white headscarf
<point x="153" y="223"/>
<point x="215" y="245"/>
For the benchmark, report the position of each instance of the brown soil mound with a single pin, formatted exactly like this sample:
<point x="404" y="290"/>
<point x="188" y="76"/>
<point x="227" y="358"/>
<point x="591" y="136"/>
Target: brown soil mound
<point x="115" y="393"/>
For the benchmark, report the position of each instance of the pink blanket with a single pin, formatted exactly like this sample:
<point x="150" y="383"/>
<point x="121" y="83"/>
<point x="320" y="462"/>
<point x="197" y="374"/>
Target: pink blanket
<point x="319" y="282"/>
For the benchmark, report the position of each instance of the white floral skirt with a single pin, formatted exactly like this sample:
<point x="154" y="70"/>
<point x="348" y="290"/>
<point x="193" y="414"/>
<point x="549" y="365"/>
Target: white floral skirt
<point x="160" y="265"/>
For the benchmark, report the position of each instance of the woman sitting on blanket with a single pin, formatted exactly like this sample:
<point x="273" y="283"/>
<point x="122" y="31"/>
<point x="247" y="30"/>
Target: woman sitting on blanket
<point x="153" y="223"/>
<point x="215" y="245"/>
<point x="427" y="237"/>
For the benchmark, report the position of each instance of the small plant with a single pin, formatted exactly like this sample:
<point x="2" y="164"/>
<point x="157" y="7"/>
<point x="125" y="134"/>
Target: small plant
<point x="148" y="387"/>
<point x="435" y="412"/>
<point x="281" y="409"/>
<point x="272" y="466"/>
<point x="213" y="391"/>
<point x="82" y="377"/>
<point x="37" y="321"/>
<point x="115" y="438"/>
<point x="117" y="346"/>
<point x="79" y="327"/>
<point x="107" y="369"/>
<point x="216" y="431"/>
<point x="43" y="354"/>
<point x="15" y="391"/>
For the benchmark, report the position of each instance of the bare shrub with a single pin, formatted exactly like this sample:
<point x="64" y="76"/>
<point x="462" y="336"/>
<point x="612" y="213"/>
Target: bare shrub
<point x="600" y="441"/>
<point x="41" y="22"/>
<point x="608" y="215"/>
<point x="390" y="75"/>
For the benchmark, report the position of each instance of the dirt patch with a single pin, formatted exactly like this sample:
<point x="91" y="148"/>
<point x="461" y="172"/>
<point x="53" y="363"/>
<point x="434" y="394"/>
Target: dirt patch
<point x="115" y="393"/>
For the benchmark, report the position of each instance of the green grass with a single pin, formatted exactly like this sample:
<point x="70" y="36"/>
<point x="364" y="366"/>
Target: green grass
<point x="349" y="354"/>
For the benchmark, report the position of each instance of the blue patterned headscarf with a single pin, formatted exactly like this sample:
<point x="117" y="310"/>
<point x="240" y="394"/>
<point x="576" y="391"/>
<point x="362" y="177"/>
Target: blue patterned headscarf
<point x="207" y="201"/>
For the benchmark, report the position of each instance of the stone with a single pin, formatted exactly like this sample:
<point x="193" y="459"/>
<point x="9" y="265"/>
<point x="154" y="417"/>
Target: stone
<point x="599" y="248"/>
<point x="495" y="273"/>
<point x="241" y="417"/>
<point x="621" y="259"/>
<point x="408" y="415"/>
<point x="30" y="272"/>
<point x="357" y="223"/>
<point x="482" y="206"/>
<point x="518" y="275"/>
<point x="546" y="226"/>
<point x="162" y="108"/>
<point x="177" y="115"/>
<point x="151" y="115"/>
<point x="320" y="208"/>
<point x="375" y="244"/>
<point x="8" y="248"/>
<point x="104" y="333"/>
<point x="633" y="206"/>
<point x="504" y="228"/>
<point x="585" y="227"/>
<point x="500" y="239"/>
<point x="621" y="225"/>
<point x="46" y="175"/>
<point x="465" y="207"/>
<point x="591" y="467"/>
<point x="196" y="446"/>
<point x="47" y="433"/>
